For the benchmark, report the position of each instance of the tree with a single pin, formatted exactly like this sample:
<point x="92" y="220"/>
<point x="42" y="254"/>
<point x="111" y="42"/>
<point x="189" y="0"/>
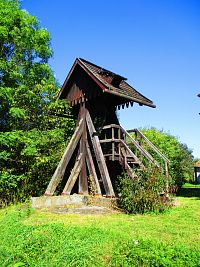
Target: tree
<point x="31" y="140"/>
<point x="181" y="167"/>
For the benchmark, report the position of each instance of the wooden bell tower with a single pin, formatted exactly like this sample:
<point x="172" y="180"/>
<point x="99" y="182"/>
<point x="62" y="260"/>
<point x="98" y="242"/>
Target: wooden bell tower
<point x="98" y="141"/>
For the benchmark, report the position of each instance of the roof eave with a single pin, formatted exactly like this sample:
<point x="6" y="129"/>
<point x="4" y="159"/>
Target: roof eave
<point x="66" y="80"/>
<point x="131" y="99"/>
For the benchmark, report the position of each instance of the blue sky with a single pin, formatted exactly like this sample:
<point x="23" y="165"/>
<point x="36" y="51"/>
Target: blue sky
<point x="155" y="44"/>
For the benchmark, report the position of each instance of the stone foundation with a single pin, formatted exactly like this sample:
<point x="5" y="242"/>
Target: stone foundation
<point x="71" y="201"/>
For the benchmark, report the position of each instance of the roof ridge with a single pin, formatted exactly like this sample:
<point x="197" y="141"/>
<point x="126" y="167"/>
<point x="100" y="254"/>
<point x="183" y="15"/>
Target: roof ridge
<point x="111" y="72"/>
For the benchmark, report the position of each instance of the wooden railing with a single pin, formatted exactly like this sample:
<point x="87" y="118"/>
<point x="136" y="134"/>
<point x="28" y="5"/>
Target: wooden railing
<point x="118" y="143"/>
<point x="141" y="139"/>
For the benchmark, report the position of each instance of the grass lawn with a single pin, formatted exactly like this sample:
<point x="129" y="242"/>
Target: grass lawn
<point x="34" y="238"/>
<point x="188" y="185"/>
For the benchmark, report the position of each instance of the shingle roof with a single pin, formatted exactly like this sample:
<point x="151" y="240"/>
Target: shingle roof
<point x="124" y="89"/>
<point x="109" y="82"/>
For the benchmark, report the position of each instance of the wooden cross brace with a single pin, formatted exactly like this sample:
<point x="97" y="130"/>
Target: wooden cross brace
<point x="84" y="161"/>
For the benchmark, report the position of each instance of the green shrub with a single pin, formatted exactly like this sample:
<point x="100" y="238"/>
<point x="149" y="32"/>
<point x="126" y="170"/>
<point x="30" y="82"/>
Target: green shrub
<point x="143" y="194"/>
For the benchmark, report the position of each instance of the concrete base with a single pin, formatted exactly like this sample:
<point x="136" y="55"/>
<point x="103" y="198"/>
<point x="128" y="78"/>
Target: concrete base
<point x="71" y="201"/>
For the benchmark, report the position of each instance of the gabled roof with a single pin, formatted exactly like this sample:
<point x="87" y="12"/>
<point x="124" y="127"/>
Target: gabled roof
<point x="109" y="82"/>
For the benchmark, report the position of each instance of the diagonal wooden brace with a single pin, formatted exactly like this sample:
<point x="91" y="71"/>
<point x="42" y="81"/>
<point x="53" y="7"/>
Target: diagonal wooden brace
<point x="59" y="172"/>
<point x="73" y="176"/>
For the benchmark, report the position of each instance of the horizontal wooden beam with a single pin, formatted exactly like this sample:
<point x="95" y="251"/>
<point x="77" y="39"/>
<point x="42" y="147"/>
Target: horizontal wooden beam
<point x="110" y="140"/>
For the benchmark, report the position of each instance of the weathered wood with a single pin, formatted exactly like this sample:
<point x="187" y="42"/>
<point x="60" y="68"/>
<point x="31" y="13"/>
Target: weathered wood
<point x="152" y="145"/>
<point x="73" y="176"/>
<point x="141" y="149"/>
<point x="111" y="126"/>
<point x="130" y="171"/>
<point x="83" y="181"/>
<point x="59" y="172"/>
<point x="100" y="158"/>
<point x="91" y="168"/>
<point x="109" y="140"/>
<point x="167" y="176"/>
<point x="127" y="167"/>
<point x="119" y="137"/>
<point x="113" y="144"/>
<point x="130" y="152"/>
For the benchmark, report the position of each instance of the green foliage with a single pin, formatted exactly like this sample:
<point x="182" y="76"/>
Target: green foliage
<point x="181" y="167"/>
<point x="35" y="238"/>
<point x="143" y="194"/>
<point x="32" y="138"/>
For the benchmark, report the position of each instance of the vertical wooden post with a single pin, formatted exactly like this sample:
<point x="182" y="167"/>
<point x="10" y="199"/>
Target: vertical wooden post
<point x="100" y="157"/>
<point x="92" y="170"/>
<point x="113" y="143"/>
<point x="119" y="137"/>
<point x="167" y="176"/>
<point x="83" y="182"/>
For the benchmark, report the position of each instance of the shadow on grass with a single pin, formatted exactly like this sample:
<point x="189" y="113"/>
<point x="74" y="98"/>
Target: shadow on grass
<point x="189" y="192"/>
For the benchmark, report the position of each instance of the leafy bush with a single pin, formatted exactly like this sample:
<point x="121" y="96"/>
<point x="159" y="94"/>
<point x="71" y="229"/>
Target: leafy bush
<point x="143" y="194"/>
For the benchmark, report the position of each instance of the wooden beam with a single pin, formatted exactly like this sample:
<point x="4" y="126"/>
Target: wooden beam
<point x="59" y="172"/>
<point x="113" y="144"/>
<point x="109" y="141"/>
<point x="131" y="153"/>
<point x="142" y="150"/>
<point x="73" y="176"/>
<point x="83" y="181"/>
<point x="127" y="167"/>
<point x="130" y="171"/>
<point x="151" y="145"/>
<point x="100" y="157"/>
<point x="91" y="168"/>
